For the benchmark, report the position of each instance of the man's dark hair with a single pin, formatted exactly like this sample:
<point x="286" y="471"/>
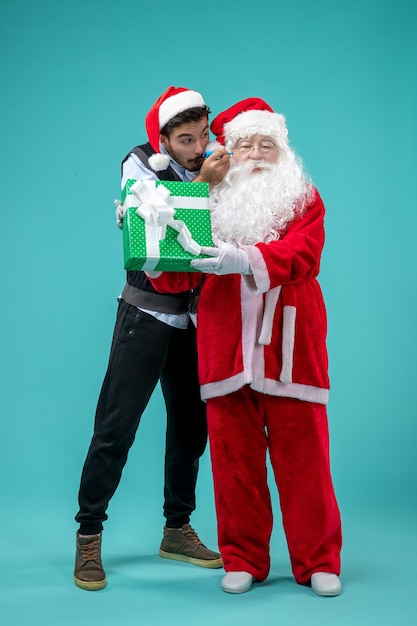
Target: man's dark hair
<point x="195" y="114"/>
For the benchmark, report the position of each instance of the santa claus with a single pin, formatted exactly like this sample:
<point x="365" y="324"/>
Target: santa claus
<point x="262" y="355"/>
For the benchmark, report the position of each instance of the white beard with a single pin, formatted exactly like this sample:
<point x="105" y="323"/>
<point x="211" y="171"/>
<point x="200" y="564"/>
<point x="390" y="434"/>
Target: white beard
<point x="251" y="207"/>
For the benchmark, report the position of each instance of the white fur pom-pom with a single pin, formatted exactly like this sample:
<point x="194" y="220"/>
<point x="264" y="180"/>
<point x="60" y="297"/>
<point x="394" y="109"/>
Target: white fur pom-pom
<point x="159" y="162"/>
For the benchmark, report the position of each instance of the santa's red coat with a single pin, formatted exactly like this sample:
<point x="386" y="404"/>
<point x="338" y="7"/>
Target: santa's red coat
<point x="267" y="330"/>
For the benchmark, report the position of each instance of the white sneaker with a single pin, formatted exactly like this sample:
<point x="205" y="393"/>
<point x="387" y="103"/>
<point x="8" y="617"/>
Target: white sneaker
<point x="237" y="582"/>
<point x="326" y="584"/>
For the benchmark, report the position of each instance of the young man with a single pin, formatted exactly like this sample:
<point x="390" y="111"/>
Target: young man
<point x="263" y="363"/>
<point x="154" y="339"/>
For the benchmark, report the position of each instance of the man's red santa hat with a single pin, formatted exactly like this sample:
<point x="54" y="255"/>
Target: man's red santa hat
<point x="173" y="101"/>
<point x="252" y="116"/>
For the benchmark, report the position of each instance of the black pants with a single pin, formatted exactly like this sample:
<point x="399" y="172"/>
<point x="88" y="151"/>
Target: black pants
<point x="145" y="350"/>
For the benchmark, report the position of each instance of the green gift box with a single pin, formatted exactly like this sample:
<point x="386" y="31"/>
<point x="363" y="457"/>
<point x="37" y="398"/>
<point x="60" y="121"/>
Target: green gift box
<point x="165" y="224"/>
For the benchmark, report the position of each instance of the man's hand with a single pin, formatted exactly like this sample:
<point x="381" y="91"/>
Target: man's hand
<point x="214" y="168"/>
<point x="226" y="259"/>
<point x="120" y="213"/>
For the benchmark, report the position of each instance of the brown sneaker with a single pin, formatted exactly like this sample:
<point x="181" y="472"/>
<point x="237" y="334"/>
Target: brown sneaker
<point x="183" y="544"/>
<point x="89" y="573"/>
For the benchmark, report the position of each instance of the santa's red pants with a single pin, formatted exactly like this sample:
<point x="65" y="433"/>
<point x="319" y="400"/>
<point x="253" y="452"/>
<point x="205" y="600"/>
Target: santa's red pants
<point x="242" y="427"/>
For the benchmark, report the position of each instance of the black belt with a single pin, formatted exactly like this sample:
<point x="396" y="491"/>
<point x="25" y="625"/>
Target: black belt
<point x="163" y="303"/>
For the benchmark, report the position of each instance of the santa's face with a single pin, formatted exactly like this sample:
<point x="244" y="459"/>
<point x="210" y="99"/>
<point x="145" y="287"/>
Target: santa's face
<point x="187" y="142"/>
<point x="257" y="149"/>
<point x="260" y="195"/>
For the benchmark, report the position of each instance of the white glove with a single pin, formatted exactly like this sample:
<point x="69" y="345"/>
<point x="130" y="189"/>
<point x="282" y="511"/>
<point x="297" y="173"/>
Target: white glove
<point x="152" y="273"/>
<point x="120" y="213"/>
<point x="226" y="259"/>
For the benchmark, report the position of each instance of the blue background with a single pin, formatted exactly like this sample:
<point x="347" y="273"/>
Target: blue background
<point x="77" y="79"/>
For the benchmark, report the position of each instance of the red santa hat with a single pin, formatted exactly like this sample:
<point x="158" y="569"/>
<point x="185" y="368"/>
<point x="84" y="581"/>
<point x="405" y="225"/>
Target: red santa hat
<point x="252" y="116"/>
<point x="173" y="101"/>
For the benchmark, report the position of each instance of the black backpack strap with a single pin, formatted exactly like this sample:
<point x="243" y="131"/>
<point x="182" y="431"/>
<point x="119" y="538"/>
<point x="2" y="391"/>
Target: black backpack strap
<point x="143" y="152"/>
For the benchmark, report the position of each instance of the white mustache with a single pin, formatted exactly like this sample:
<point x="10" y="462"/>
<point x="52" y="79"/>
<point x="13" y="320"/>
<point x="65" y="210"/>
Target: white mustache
<point x="260" y="165"/>
<point x="240" y="170"/>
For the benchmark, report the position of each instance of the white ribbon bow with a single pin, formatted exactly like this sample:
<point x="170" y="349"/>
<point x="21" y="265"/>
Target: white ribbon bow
<point x="153" y="206"/>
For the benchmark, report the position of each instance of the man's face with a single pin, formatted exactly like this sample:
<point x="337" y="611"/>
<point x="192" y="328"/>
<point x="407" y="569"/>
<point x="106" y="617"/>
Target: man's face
<point x="256" y="148"/>
<point x="187" y="142"/>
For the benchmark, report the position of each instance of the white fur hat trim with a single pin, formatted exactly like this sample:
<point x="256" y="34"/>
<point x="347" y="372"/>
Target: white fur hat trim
<point x="177" y="104"/>
<point x="255" y="122"/>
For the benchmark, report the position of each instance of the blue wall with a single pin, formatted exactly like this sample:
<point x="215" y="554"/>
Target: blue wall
<point x="77" y="80"/>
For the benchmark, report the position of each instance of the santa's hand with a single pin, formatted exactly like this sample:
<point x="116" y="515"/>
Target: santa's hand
<point x="120" y="213"/>
<point x="226" y="259"/>
<point x="152" y="273"/>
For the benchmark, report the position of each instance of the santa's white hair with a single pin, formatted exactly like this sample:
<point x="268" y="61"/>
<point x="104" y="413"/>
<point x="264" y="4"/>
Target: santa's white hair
<point x="252" y="206"/>
<point x="256" y="122"/>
